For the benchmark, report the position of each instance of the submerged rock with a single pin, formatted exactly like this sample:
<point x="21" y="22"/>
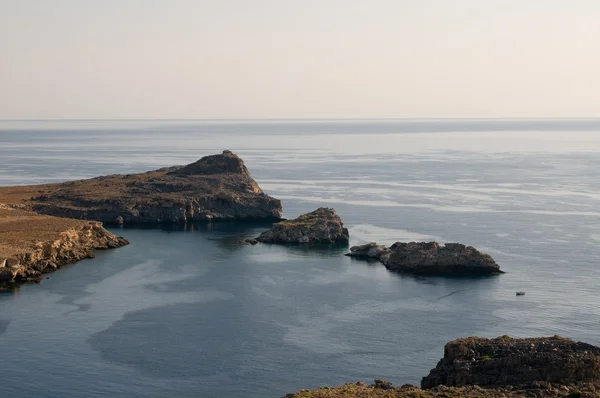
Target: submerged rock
<point x="320" y="226"/>
<point x="524" y="363"/>
<point x="217" y="187"/>
<point x="370" y="251"/>
<point x="429" y="258"/>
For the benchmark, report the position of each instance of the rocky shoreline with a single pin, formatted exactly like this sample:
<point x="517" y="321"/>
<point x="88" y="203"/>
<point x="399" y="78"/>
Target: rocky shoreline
<point x="501" y="367"/>
<point x="32" y="245"/>
<point x="41" y="227"/>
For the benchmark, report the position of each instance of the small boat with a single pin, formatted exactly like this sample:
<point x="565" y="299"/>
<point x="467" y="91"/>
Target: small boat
<point x="520" y="293"/>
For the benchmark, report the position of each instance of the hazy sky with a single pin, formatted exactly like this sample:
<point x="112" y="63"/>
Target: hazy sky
<point x="299" y="58"/>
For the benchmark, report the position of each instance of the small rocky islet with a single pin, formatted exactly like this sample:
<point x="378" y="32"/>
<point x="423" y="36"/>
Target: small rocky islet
<point x="429" y="258"/>
<point x="322" y="226"/>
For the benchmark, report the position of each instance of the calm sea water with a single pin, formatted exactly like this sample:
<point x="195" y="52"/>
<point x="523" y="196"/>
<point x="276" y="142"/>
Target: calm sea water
<point x="189" y="312"/>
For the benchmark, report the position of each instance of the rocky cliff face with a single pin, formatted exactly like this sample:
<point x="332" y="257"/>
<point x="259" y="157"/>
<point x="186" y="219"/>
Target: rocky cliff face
<point x="526" y="363"/>
<point x="320" y="226"/>
<point x="217" y="187"/>
<point x="504" y="367"/>
<point x="73" y="244"/>
<point x="429" y="258"/>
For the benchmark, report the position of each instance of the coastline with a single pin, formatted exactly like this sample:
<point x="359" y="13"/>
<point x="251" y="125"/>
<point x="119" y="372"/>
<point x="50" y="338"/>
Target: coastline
<point x="32" y="245"/>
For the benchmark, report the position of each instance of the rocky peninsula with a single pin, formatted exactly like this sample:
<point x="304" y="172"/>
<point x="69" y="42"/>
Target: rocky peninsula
<point x="429" y="258"/>
<point x="320" y="226"/>
<point x="217" y="187"/>
<point x="32" y="244"/>
<point x="500" y="367"/>
<point x="42" y="227"/>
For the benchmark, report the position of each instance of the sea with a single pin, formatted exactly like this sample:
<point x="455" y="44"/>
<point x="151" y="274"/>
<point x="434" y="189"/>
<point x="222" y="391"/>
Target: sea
<point x="189" y="311"/>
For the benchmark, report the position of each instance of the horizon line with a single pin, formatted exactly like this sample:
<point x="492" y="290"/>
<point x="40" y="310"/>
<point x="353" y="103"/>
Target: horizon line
<point x="299" y="119"/>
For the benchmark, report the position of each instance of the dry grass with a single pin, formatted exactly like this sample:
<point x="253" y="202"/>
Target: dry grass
<point x="20" y="194"/>
<point x="20" y="230"/>
<point x="361" y="391"/>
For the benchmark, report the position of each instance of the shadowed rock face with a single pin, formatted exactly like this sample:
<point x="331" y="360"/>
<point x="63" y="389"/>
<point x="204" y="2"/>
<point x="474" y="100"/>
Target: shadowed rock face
<point x="217" y="187"/>
<point x="517" y="362"/>
<point x="320" y="226"/>
<point x="494" y="368"/>
<point x="429" y="258"/>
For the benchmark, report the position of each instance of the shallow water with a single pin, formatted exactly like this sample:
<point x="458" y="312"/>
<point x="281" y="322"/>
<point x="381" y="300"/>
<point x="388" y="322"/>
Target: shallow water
<point x="191" y="312"/>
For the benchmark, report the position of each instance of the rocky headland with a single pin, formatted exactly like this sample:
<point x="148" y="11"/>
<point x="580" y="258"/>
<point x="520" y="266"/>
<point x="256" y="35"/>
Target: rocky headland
<point x="320" y="226"/>
<point x="32" y="244"/>
<point x="217" y="187"/>
<point x="429" y="258"/>
<point x="41" y="226"/>
<point x="500" y="367"/>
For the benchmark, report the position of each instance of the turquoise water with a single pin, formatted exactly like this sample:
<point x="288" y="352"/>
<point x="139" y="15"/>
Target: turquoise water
<point x="193" y="313"/>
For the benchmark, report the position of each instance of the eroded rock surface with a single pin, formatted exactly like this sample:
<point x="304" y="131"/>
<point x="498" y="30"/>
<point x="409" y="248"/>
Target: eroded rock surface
<point x="320" y="226"/>
<point x="494" y="368"/>
<point x="32" y="245"/>
<point x="429" y="258"/>
<point x="516" y="362"/>
<point x="217" y="187"/>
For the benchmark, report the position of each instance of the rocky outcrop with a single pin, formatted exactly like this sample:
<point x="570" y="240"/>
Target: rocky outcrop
<point x="494" y="368"/>
<point x="516" y="362"/>
<point x="320" y="226"/>
<point x="71" y="245"/>
<point x="217" y="187"/>
<point x="429" y="258"/>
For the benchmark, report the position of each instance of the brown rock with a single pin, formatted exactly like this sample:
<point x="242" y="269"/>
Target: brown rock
<point x="536" y="363"/>
<point x="320" y="226"/>
<point x="435" y="259"/>
<point x="32" y="245"/>
<point x="217" y="187"/>
<point x="429" y="258"/>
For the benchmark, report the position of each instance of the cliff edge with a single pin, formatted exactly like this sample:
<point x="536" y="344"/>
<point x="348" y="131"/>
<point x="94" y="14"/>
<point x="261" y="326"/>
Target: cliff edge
<point x="32" y="244"/>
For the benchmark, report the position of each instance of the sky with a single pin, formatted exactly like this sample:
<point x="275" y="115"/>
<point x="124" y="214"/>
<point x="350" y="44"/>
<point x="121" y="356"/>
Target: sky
<point x="240" y="59"/>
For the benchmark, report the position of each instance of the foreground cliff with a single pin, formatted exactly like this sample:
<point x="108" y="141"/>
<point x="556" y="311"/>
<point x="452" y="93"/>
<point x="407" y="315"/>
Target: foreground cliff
<point x="429" y="258"/>
<point x="501" y="367"/>
<point x="521" y="363"/>
<point x="217" y="187"/>
<point x="32" y="244"/>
